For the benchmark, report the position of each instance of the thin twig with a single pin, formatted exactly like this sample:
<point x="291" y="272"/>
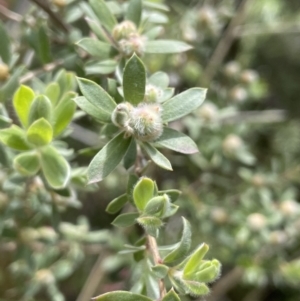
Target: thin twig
<point x="95" y="277"/>
<point x="46" y="68"/>
<point x="44" y="6"/>
<point x="153" y="249"/>
<point x="10" y="14"/>
<point x="225" y="43"/>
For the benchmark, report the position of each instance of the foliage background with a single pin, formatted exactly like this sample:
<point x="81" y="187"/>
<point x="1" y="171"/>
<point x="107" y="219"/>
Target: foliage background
<point x="221" y="187"/>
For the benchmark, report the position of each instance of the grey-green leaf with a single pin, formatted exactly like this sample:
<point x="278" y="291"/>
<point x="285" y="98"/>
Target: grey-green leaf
<point x="184" y="244"/>
<point x="117" y="204"/>
<point x="108" y="158"/>
<point x="121" y="296"/>
<point x="96" y="48"/>
<point x="157" y="157"/>
<point x="134" y="80"/>
<point x="125" y="219"/>
<point x="177" y="141"/>
<point x="103" y="13"/>
<point x="134" y="11"/>
<point x="166" y="46"/>
<point x="183" y="104"/>
<point x="96" y="95"/>
<point x="14" y="137"/>
<point x="27" y="163"/>
<point x="171" y="296"/>
<point x="55" y="167"/>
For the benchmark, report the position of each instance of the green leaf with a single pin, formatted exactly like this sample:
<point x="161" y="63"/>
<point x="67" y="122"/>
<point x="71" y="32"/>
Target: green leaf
<point x="53" y="92"/>
<point x="209" y="274"/>
<point x="151" y="224"/>
<point x="5" y="122"/>
<point x="103" y="13"/>
<point x="40" y="132"/>
<point x="195" y="288"/>
<point x="14" y="137"/>
<point x="55" y="167"/>
<point x="63" y="113"/>
<point x="134" y="12"/>
<point x="166" y="46"/>
<point x="159" y="79"/>
<point x="104" y="67"/>
<point x="183" y="104"/>
<point x="42" y="44"/>
<point x="171" y="296"/>
<point x="157" y="157"/>
<point x="195" y="260"/>
<point x="96" y="95"/>
<point x="5" y="51"/>
<point x="41" y="107"/>
<point x="121" y="296"/>
<point x="117" y="204"/>
<point x="125" y="220"/>
<point x="173" y="194"/>
<point x="143" y="192"/>
<point x="22" y="101"/>
<point x="92" y="110"/>
<point x="108" y="158"/>
<point x="177" y="141"/>
<point x="183" y="246"/>
<point x="157" y="206"/>
<point x="130" y="156"/>
<point x="160" y="271"/>
<point x="95" y="47"/>
<point x="66" y="81"/>
<point x="97" y="29"/>
<point x="134" y="80"/>
<point x="27" y="164"/>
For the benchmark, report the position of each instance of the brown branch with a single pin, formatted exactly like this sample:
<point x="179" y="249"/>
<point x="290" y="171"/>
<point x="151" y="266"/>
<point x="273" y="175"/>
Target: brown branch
<point x="56" y="19"/>
<point x="10" y="14"/>
<point x="153" y="249"/>
<point x="225" y="43"/>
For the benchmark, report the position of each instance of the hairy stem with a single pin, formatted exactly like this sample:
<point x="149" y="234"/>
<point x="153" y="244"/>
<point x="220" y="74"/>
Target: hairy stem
<point x="153" y="249"/>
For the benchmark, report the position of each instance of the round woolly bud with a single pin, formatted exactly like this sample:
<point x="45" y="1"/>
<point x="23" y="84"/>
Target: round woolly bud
<point x="47" y="233"/>
<point x="207" y="16"/>
<point x="152" y="93"/>
<point x="248" y="76"/>
<point x="123" y="30"/>
<point x="4" y="72"/>
<point x="29" y="235"/>
<point x="289" y="207"/>
<point x="219" y="215"/>
<point x="146" y="122"/>
<point x="256" y="221"/>
<point x="189" y="33"/>
<point x="44" y="276"/>
<point x="232" y="69"/>
<point x="133" y="44"/>
<point x="232" y="144"/>
<point x="59" y="3"/>
<point x="208" y="112"/>
<point x="277" y="237"/>
<point x="120" y="115"/>
<point x="238" y="94"/>
<point x="258" y="180"/>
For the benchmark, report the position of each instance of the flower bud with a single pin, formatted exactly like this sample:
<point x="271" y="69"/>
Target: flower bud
<point x="29" y="235"/>
<point x="152" y="93"/>
<point x="208" y="112"/>
<point x="123" y="30"/>
<point x="258" y="181"/>
<point x="146" y="122"/>
<point x="248" y="76"/>
<point x="133" y="44"/>
<point x="59" y="3"/>
<point x="3" y="200"/>
<point x="232" y="69"/>
<point x="232" y="144"/>
<point x="289" y="207"/>
<point x="4" y="72"/>
<point x="238" y="94"/>
<point x="44" y="276"/>
<point x="207" y="16"/>
<point x="121" y="114"/>
<point x="256" y="221"/>
<point x="47" y="233"/>
<point x="219" y="215"/>
<point x="277" y="237"/>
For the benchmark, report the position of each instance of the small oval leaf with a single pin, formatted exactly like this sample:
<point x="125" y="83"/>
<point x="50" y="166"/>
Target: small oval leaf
<point x="117" y="204"/>
<point x="143" y="192"/>
<point x="166" y="46"/>
<point x="121" y="296"/>
<point x="125" y="219"/>
<point x="40" y="132"/>
<point x="27" y="163"/>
